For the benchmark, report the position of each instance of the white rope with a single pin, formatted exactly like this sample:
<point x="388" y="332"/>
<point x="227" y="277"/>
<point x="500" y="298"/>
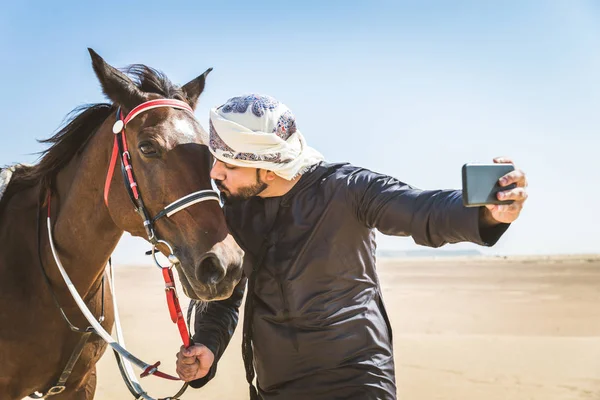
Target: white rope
<point x="87" y="313"/>
<point x="121" y="340"/>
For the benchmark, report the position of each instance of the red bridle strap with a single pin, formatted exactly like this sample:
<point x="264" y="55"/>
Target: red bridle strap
<point x="174" y="307"/>
<point x="111" y="170"/>
<point x="119" y="127"/>
<point x="149" y="105"/>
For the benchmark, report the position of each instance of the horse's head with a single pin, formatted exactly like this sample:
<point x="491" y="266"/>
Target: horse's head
<point x="170" y="161"/>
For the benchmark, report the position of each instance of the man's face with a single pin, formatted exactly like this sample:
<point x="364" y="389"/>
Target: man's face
<point x="237" y="183"/>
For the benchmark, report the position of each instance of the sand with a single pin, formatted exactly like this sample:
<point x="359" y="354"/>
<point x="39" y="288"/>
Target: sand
<point x="464" y="328"/>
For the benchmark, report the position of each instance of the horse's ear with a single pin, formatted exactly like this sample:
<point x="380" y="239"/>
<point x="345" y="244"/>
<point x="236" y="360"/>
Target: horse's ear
<point x="116" y="85"/>
<point x="194" y="88"/>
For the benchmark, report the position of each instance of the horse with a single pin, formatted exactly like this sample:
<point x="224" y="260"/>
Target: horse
<point x="90" y="209"/>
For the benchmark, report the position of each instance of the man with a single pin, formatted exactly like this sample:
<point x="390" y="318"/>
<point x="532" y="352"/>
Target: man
<point x="315" y="323"/>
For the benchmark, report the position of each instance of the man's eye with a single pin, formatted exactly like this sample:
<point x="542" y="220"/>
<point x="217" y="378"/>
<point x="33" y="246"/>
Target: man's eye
<point x="147" y="149"/>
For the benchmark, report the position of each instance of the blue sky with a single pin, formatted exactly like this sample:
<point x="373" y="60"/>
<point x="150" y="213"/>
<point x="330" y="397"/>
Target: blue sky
<point x="410" y="89"/>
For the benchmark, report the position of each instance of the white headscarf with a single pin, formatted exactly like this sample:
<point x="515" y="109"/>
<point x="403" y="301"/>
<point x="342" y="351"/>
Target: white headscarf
<point x="258" y="131"/>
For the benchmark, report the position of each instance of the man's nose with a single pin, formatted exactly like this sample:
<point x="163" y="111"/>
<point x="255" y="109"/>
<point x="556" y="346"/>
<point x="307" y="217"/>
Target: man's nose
<point x="216" y="173"/>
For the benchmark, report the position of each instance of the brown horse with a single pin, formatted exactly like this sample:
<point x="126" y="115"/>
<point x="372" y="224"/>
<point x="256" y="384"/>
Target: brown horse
<point x="170" y="160"/>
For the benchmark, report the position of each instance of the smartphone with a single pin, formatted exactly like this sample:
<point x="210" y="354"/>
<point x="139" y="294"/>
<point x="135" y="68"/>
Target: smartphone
<point x="480" y="183"/>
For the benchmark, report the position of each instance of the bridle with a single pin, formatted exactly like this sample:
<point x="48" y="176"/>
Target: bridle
<point x="124" y="356"/>
<point x="120" y="147"/>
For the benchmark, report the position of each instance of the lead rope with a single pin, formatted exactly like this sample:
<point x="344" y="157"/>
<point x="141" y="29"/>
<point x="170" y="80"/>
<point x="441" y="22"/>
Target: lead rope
<point x="125" y="367"/>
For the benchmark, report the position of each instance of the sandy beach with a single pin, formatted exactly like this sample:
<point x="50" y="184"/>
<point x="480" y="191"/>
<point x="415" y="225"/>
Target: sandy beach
<point x="517" y="328"/>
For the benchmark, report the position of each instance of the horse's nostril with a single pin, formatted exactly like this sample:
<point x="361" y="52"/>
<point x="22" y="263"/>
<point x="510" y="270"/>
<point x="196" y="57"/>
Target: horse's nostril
<point x="210" y="271"/>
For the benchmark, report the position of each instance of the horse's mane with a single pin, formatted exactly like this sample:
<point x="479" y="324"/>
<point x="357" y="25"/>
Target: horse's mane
<point x="79" y="126"/>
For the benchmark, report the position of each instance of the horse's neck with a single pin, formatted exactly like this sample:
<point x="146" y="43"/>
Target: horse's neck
<point x="84" y="233"/>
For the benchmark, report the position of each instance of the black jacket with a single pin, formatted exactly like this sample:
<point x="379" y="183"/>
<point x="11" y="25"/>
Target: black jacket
<point x="320" y="326"/>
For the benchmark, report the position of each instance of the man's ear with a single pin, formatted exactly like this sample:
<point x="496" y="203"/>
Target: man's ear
<point x="270" y="175"/>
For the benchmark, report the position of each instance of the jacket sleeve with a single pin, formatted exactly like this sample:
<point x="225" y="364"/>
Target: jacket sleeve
<point x="214" y="326"/>
<point x="432" y="217"/>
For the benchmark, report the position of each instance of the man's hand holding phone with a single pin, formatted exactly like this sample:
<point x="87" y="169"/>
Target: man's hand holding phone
<point x="500" y="187"/>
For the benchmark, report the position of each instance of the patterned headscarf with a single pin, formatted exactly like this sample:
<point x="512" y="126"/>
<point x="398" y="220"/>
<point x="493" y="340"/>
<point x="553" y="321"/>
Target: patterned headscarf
<point x="260" y="132"/>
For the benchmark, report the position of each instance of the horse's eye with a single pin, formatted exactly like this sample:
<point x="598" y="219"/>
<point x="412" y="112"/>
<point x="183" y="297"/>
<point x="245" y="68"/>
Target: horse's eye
<point x="147" y="149"/>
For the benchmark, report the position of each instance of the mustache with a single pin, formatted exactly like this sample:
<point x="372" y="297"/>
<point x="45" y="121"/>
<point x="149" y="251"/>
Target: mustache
<point x="221" y="186"/>
<point x="224" y="192"/>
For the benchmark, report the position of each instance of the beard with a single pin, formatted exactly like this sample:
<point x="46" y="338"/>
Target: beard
<point x="244" y="193"/>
